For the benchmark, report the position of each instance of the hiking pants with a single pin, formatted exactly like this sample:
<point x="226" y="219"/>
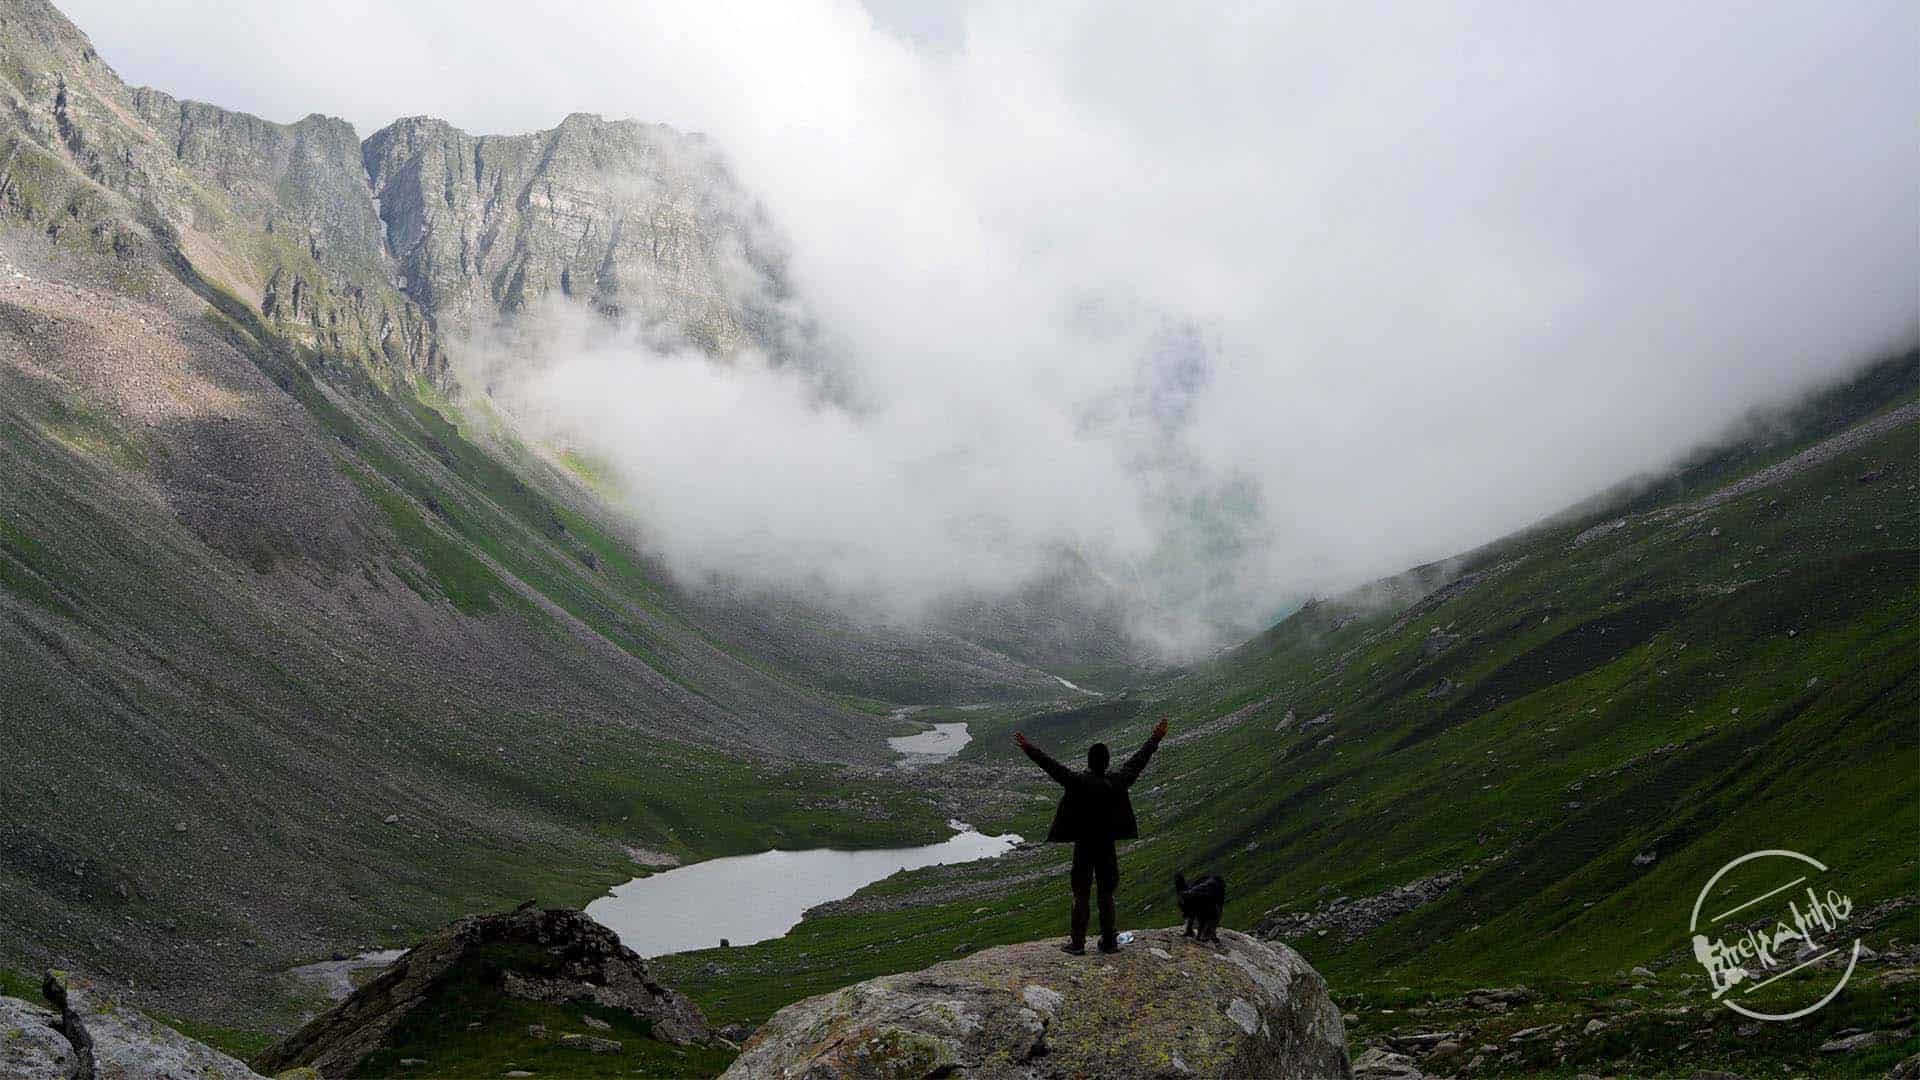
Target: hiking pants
<point x="1094" y="861"/>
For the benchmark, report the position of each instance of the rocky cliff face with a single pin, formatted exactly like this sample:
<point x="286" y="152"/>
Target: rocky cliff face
<point x="380" y="252"/>
<point x="1164" y="1006"/>
<point x="635" y="220"/>
<point x="276" y="215"/>
<point x="294" y="228"/>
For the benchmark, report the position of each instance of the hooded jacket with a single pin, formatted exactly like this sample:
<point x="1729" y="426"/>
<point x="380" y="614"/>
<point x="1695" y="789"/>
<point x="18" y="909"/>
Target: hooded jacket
<point x="1095" y="806"/>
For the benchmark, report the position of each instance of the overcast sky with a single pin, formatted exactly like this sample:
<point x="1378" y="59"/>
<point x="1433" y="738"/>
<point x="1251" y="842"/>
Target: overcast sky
<point x="1377" y="281"/>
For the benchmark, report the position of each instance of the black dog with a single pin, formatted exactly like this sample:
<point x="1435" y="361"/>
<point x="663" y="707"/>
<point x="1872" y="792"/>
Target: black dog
<point x="1202" y="904"/>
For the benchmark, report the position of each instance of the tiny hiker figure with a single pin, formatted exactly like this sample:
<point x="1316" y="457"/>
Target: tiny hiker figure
<point x="1094" y="813"/>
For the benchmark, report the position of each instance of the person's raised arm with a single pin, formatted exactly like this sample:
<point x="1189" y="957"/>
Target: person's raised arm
<point x="1131" y="770"/>
<point x="1041" y="758"/>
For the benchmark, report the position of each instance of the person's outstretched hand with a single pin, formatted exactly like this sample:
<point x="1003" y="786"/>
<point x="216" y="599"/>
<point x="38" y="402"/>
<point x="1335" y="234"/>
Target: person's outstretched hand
<point x="1160" y="729"/>
<point x="1020" y="739"/>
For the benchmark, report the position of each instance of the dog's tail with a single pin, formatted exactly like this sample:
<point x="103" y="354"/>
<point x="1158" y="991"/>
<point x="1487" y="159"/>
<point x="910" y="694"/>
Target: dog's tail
<point x="1179" y="882"/>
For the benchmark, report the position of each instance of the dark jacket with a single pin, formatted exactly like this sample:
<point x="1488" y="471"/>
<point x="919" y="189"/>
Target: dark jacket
<point x="1094" y="807"/>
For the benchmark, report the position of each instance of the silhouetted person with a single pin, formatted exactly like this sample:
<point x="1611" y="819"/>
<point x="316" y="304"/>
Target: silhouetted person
<point x="1094" y="813"/>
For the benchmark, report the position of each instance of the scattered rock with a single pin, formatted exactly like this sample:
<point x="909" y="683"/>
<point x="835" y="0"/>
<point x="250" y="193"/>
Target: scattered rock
<point x="392" y="819"/>
<point x="1499" y="995"/>
<point x="596" y="1024"/>
<point x="1643" y="973"/>
<point x="1598" y="531"/>
<point x="1354" y="918"/>
<point x="676" y="1031"/>
<point x="739" y="1033"/>
<point x="1419" y="1040"/>
<point x="651" y="858"/>
<point x="591" y="1044"/>
<point x="538" y="1031"/>
<point x="1250" y="1009"/>
<point x="1906" y="1069"/>
<point x="1594" y="1027"/>
<point x="1645" y="858"/>
<point x="1379" y="1064"/>
<point x="1865" y="1040"/>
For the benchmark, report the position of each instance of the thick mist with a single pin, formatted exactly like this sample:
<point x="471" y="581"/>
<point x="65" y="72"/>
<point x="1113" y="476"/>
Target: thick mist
<point x="1221" y="305"/>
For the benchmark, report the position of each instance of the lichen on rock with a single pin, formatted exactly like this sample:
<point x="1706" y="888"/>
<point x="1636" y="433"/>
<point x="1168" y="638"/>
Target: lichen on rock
<point x="1163" y="1006"/>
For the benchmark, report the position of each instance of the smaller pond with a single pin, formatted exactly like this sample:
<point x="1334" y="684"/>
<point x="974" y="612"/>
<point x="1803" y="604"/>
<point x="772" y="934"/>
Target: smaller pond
<point x="749" y="898"/>
<point x="930" y="747"/>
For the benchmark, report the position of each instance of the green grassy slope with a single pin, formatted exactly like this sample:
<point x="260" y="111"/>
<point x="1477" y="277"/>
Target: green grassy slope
<point x="252" y="605"/>
<point x="1692" y="685"/>
<point x="296" y="660"/>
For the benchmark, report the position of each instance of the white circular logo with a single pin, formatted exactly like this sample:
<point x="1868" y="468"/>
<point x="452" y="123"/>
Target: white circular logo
<point x="1743" y="955"/>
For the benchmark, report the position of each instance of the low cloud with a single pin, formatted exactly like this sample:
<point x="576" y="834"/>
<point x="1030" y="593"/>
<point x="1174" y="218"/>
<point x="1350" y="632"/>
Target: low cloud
<point x="1234" y="304"/>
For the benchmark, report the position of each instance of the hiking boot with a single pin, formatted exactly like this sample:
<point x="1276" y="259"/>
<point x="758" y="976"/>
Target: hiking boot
<point x="1073" y="950"/>
<point x="1109" y="945"/>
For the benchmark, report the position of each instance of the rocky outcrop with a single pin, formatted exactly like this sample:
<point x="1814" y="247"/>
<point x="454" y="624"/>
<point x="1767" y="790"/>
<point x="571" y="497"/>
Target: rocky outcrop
<point x="556" y="956"/>
<point x="1354" y="918"/>
<point x="93" y="1037"/>
<point x="300" y="239"/>
<point x="379" y="252"/>
<point x="31" y="1045"/>
<point x="1164" y="1006"/>
<point x="277" y="216"/>
<point x="635" y="220"/>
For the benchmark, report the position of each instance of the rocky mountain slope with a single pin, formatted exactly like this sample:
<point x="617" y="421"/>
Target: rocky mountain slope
<point x="636" y="220"/>
<point x="378" y="260"/>
<point x="294" y="660"/>
<point x="378" y="251"/>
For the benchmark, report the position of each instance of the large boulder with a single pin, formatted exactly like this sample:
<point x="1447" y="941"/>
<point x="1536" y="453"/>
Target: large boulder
<point x="31" y="1046"/>
<point x="559" y="957"/>
<point x="112" y="1041"/>
<point x="1164" y="1006"/>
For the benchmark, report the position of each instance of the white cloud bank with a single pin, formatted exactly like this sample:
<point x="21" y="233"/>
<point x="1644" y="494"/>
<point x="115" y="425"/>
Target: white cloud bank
<point x="1377" y="282"/>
